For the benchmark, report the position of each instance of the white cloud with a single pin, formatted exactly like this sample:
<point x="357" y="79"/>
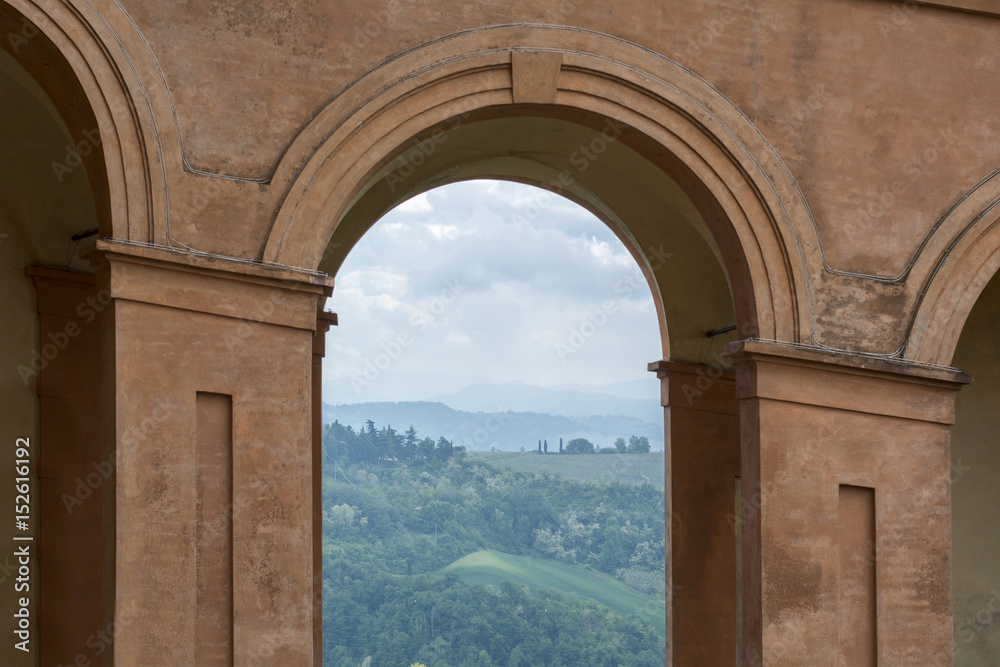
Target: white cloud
<point x="522" y="288"/>
<point x="444" y="232"/>
<point x="418" y="204"/>
<point x="457" y="338"/>
<point x="604" y="253"/>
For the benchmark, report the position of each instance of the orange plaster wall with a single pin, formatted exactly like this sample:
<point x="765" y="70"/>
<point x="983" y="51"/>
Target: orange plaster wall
<point x="877" y="129"/>
<point x="165" y="356"/>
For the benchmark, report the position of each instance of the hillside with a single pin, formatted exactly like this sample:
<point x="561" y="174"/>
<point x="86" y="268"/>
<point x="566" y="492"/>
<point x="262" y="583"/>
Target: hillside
<point x="417" y="565"/>
<point x="491" y="567"/>
<point x="629" y="468"/>
<point x="507" y="431"/>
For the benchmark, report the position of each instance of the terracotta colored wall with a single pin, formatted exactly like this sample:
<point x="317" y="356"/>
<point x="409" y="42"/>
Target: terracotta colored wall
<point x="167" y="351"/>
<point x="810" y="428"/>
<point x="845" y="90"/>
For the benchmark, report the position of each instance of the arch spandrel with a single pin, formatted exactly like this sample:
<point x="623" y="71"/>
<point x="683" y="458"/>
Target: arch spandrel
<point x="758" y="217"/>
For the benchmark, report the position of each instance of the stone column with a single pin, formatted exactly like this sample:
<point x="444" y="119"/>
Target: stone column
<point x="324" y="321"/>
<point x="209" y="374"/>
<point x="846" y="507"/>
<point x="701" y="418"/>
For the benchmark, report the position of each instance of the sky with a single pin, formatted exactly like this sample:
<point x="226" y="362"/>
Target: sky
<point x="486" y="282"/>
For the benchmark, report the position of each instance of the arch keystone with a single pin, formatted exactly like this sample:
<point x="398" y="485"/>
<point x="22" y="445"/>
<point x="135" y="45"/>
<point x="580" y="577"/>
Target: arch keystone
<point x="536" y="76"/>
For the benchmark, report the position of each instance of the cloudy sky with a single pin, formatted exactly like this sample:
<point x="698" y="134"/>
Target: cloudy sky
<point x="484" y="282"/>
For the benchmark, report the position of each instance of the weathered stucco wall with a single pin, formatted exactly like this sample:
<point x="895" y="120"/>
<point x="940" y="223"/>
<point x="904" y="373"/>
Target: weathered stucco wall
<point x="882" y="133"/>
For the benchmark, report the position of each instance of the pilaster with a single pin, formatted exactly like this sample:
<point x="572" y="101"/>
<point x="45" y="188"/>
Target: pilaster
<point x="846" y="507"/>
<point x="213" y="387"/>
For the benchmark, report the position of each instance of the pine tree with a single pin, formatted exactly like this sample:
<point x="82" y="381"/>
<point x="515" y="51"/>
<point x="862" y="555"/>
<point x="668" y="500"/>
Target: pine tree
<point x="410" y="443"/>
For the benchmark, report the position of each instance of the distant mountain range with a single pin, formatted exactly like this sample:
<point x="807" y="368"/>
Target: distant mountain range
<point x="507" y="430"/>
<point x="511" y="415"/>
<point x="567" y="402"/>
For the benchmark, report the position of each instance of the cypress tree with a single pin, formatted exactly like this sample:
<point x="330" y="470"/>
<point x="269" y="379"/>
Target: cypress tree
<point x="560" y="445"/>
<point x="546" y="446"/>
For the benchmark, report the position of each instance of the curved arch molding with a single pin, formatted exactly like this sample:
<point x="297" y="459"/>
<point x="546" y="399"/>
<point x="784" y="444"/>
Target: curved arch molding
<point x="121" y="106"/>
<point x="781" y="285"/>
<point x="763" y="229"/>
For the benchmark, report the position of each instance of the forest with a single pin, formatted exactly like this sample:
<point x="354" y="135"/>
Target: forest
<point x="399" y="509"/>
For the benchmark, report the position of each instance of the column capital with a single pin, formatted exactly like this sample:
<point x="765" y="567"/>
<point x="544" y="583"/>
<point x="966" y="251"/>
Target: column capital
<point x="209" y="284"/>
<point x="816" y="376"/>
<point x="324" y="320"/>
<point x="694" y="386"/>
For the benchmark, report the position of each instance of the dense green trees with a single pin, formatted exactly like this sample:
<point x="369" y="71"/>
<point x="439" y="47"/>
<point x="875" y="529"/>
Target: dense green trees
<point x="442" y="622"/>
<point x="371" y="445"/>
<point x="580" y="446"/>
<point x="636" y="444"/>
<point x="392" y="522"/>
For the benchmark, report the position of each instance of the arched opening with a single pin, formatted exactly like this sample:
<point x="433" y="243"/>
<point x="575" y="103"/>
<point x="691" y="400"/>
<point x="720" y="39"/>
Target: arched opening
<point x="671" y="226"/>
<point x="671" y="129"/>
<point x="975" y="456"/>
<point x="54" y="199"/>
<point x="589" y="160"/>
<point x="507" y="290"/>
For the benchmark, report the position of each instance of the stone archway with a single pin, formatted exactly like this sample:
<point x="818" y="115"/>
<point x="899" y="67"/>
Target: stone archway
<point x="654" y="152"/>
<point x="756" y="214"/>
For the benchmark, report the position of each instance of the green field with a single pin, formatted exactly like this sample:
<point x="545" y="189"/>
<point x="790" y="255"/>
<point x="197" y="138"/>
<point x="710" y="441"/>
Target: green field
<point x="492" y="567"/>
<point x="627" y="468"/>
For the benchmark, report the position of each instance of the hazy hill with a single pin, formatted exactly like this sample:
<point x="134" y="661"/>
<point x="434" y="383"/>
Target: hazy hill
<point x="568" y="402"/>
<point x="481" y="430"/>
